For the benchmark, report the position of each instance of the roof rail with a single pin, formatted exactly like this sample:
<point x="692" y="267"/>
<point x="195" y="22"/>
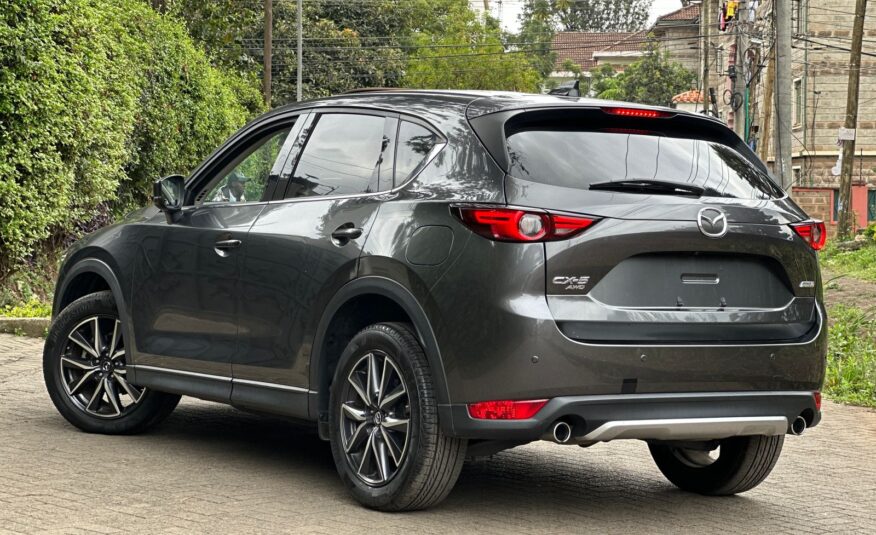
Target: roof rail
<point x="374" y="90"/>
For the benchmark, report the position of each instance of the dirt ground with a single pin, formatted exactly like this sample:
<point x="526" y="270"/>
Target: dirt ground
<point x="847" y="290"/>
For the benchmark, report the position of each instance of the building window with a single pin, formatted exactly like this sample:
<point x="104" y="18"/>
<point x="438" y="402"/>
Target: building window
<point x="871" y="205"/>
<point x="797" y="17"/>
<point x="797" y="175"/>
<point x="798" y="102"/>
<point x="834" y="216"/>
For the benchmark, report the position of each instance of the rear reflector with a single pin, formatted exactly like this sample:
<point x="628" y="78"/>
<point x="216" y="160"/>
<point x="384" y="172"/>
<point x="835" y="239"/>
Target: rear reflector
<point x="638" y="113"/>
<point x="517" y="225"/>
<point x="817" y="396"/>
<point x="813" y="232"/>
<point x="505" y="409"/>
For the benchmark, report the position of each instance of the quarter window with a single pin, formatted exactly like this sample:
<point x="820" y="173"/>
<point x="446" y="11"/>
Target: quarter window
<point x="414" y="144"/>
<point x="345" y="154"/>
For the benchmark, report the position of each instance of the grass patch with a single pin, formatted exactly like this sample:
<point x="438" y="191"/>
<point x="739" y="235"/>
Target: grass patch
<point x="31" y="309"/>
<point x="860" y="264"/>
<point x="851" y="356"/>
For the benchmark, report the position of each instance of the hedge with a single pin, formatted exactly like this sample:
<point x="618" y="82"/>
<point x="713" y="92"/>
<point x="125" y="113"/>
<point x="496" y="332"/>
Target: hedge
<point x="97" y="99"/>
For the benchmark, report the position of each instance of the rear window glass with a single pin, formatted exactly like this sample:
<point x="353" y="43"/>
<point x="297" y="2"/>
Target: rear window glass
<point x="580" y="158"/>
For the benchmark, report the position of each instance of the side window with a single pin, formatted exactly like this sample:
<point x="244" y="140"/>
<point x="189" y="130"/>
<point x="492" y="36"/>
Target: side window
<point x="414" y="144"/>
<point x="245" y="179"/>
<point x="344" y="155"/>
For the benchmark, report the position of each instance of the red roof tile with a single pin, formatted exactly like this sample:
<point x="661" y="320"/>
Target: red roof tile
<point x="691" y="12"/>
<point x="580" y="46"/>
<point x="688" y="97"/>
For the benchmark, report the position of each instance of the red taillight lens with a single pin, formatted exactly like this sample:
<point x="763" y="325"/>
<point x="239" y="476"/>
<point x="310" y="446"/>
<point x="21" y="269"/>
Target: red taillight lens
<point x="817" y="396"/>
<point x="505" y="409"/>
<point x="813" y="232"/>
<point x="514" y="224"/>
<point x="637" y="113"/>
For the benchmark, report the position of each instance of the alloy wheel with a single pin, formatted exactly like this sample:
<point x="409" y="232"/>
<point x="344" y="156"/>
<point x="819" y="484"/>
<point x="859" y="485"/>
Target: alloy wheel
<point x="374" y="419"/>
<point x="93" y="369"/>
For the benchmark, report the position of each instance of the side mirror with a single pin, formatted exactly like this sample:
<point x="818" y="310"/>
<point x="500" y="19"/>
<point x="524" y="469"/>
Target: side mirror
<point x="168" y="195"/>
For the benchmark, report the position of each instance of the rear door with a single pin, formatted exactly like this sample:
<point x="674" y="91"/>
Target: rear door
<point x="304" y="247"/>
<point x="693" y="243"/>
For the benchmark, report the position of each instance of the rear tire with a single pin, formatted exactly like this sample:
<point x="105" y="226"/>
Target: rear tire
<point x="742" y="463"/>
<point x="387" y="445"/>
<point x="84" y="367"/>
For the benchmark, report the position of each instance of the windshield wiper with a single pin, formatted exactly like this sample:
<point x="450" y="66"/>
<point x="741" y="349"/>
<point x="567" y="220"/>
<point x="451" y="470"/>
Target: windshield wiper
<point x="654" y="187"/>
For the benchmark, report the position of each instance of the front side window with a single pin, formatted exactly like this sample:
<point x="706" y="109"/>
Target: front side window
<point x="414" y="145"/>
<point x="245" y="179"/>
<point x="345" y="154"/>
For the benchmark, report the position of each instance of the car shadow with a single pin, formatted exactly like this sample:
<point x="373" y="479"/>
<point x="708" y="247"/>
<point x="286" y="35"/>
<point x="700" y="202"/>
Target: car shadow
<point x="614" y="484"/>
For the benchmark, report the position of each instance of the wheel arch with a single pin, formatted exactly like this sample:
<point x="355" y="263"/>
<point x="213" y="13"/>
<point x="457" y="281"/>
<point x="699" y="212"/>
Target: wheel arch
<point x="90" y="275"/>
<point x="358" y="304"/>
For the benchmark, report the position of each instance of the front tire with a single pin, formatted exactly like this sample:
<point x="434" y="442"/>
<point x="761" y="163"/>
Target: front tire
<point x="385" y="437"/>
<point x="85" y="370"/>
<point x="737" y="465"/>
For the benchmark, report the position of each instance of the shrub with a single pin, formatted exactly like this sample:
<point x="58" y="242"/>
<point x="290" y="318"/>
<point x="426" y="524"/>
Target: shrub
<point x="97" y="99"/>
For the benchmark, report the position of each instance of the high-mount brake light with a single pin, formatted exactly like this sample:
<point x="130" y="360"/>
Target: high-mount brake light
<point x="506" y="409"/>
<point x="813" y="232"/>
<point x="518" y="225"/>
<point x="638" y="113"/>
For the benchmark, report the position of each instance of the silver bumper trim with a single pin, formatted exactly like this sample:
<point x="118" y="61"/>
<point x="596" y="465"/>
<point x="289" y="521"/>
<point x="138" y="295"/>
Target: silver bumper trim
<point x="688" y="428"/>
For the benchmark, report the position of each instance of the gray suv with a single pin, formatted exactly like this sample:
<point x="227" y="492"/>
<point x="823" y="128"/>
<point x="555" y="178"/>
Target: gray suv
<point x="428" y="276"/>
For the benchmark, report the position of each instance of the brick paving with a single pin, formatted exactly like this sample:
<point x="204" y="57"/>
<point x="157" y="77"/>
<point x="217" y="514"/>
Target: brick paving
<point x="213" y="469"/>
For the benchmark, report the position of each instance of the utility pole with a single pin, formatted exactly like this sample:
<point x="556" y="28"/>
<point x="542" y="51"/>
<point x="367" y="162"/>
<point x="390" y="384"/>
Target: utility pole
<point x="300" y="59"/>
<point x="846" y="223"/>
<point x="766" y="124"/>
<point x="269" y="30"/>
<point x="706" y="32"/>
<point x="782" y="89"/>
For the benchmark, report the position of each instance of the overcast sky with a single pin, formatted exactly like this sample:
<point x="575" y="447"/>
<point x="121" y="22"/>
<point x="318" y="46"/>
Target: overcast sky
<point x="510" y="11"/>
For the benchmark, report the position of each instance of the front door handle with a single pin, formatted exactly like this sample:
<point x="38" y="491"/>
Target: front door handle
<point x="223" y="248"/>
<point x="227" y="244"/>
<point x="346" y="233"/>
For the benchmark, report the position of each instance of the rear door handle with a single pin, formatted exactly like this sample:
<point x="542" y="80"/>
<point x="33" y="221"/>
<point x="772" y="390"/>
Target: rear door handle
<point x="346" y="233"/>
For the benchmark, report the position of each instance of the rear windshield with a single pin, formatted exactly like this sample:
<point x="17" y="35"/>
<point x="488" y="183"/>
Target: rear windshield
<point x="578" y="158"/>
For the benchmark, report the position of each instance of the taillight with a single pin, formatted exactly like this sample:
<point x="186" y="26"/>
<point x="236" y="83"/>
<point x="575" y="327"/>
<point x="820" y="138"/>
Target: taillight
<point x="517" y="225"/>
<point x="813" y="232"/>
<point x="505" y="409"/>
<point x="638" y="113"/>
<point x="817" y="397"/>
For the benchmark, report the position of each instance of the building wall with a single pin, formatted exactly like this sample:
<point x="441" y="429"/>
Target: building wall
<point x="682" y="43"/>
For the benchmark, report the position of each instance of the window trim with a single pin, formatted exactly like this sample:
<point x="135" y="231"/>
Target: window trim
<point x="295" y="155"/>
<point x="799" y="102"/>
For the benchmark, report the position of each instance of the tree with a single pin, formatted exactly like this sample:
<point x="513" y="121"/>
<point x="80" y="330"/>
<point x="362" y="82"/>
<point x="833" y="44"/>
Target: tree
<point x="601" y="15"/>
<point x="536" y="33"/>
<point x="468" y="53"/>
<point x="654" y="79"/>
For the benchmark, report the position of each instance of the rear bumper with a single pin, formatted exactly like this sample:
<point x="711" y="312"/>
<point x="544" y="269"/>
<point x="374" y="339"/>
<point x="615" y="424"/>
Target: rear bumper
<point x="655" y="416"/>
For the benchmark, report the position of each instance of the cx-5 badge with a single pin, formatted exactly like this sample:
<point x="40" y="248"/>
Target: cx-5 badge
<point x="572" y="283"/>
<point x="712" y="222"/>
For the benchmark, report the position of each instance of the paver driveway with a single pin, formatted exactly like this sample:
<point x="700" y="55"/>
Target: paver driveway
<point x="213" y="469"/>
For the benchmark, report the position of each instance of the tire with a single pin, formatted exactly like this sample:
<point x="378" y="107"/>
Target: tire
<point x="742" y="464"/>
<point x="415" y="474"/>
<point x="87" y="386"/>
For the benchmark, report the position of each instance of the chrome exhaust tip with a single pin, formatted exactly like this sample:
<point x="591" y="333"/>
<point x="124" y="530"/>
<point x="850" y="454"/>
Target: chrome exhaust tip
<point x="798" y="426"/>
<point x="561" y="432"/>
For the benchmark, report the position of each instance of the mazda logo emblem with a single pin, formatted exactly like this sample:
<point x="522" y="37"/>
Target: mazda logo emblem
<point x="712" y="222"/>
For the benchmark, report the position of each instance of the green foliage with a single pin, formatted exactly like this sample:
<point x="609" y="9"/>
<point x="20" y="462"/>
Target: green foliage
<point x="654" y="79"/>
<point x="870" y="232"/>
<point x="860" y="264"/>
<point x="97" y="99"/>
<point x="536" y="33"/>
<point x="601" y="15"/>
<point x="851" y="361"/>
<point x="471" y="56"/>
<point x="31" y="309"/>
